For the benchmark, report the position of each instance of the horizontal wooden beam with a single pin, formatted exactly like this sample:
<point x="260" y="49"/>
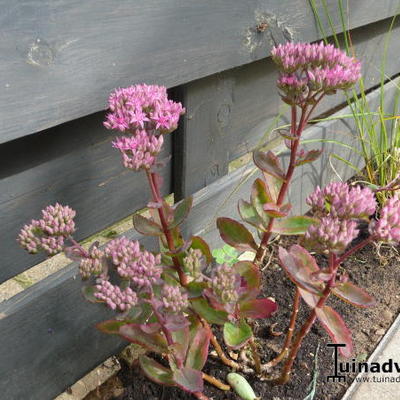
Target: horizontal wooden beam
<point x="72" y="164"/>
<point x="48" y="335"/>
<point x="59" y="60"/>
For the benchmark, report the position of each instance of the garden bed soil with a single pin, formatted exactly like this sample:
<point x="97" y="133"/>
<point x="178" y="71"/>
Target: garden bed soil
<point x="377" y="272"/>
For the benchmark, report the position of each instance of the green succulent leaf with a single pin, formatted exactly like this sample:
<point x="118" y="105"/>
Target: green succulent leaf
<point x="269" y="163"/>
<point x="201" y="244"/>
<point x="292" y="225"/>
<point x="299" y="268"/>
<point x="251" y="275"/>
<point x="336" y="328"/>
<point x="156" y="372"/>
<point x="308" y="157"/>
<point x="146" y="226"/>
<point x="257" y="308"/>
<point x="226" y="255"/>
<point x="203" y="308"/>
<point x="198" y="348"/>
<point x="241" y="386"/>
<point x="354" y="295"/>
<point x="249" y="214"/>
<point x="272" y="186"/>
<point x="236" y="335"/>
<point x="259" y="197"/>
<point x="181" y="211"/>
<point x="88" y="292"/>
<point x="235" y="234"/>
<point x="189" y="379"/>
<point x="111" y="326"/>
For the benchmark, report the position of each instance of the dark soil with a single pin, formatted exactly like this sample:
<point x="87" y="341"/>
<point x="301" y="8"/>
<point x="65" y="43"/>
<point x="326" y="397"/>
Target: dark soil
<point x="378" y="274"/>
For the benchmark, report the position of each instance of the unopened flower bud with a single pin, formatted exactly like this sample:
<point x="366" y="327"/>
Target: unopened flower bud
<point x="114" y="297"/>
<point x="93" y="264"/>
<point x="193" y="262"/>
<point x="174" y="299"/>
<point x="225" y="284"/>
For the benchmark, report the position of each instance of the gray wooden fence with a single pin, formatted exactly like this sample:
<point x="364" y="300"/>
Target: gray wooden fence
<point x="59" y="60"/>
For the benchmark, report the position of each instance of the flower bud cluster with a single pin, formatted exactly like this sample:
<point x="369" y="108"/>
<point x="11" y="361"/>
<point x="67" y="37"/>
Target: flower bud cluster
<point x="343" y="201"/>
<point x="92" y="264"/>
<point x="332" y="233"/>
<point x="387" y="227"/>
<point x="225" y="284"/>
<point x="114" y="297"/>
<point x="193" y="262"/>
<point x="49" y="232"/>
<point x="139" y="151"/>
<point x="174" y="299"/>
<point x="140" y="266"/>
<point x="310" y="68"/>
<point x="142" y="107"/>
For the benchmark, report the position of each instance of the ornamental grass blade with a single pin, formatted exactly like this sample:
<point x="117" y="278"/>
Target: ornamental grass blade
<point x="235" y="234"/>
<point x="292" y="225"/>
<point x="336" y="329"/>
<point x="269" y="163"/>
<point x="298" y="271"/>
<point x="156" y="372"/>
<point x="352" y="294"/>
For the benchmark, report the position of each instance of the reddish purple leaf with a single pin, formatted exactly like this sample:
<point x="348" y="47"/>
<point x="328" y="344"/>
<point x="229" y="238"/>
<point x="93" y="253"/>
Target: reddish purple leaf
<point x="181" y="211"/>
<point x="269" y="163"/>
<point x="110" y="326"/>
<point x="146" y="226"/>
<point x="336" y="328"/>
<point x="352" y="294"/>
<point x="259" y="197"/>
<point x="257" y="308"/>
<point x="310" y="299"/>
<point x="251" y="276"/>
<point x="299" y="270"/>
<point x="154" y="342"/>
<point x="272" y="186"/>
<point x="275" y="211"/>
<point x="189" y="379"/>
<point x="236" y="235"/>
<point x="201" y="244"/>
<point x="308" y="157"/>
<point x="198" y="349"/>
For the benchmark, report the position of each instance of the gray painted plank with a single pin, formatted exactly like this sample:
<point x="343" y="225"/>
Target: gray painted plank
<point x="73" y="164"/>
<point x="229" y="113"/>
<point x="48" y="338"/>
<point x="59" y="60"/>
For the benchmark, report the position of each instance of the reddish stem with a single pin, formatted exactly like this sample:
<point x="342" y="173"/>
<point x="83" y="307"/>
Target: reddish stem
<point x="167" y="232"/>
<point x="285" y="376"/>
<point x="201" y="396"/>
<point x="288" y="341"/>
<point x="357" y="247"/>
<point x="76" y="244"/>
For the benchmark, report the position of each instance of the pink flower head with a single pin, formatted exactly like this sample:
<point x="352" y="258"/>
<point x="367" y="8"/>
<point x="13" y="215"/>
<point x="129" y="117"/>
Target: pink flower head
<point x="387" y="227"/>
<point x="331" y="234"/>
<point x="307" y="68"/>
<point x="343" y="201"/>
<point x="226" y="284"/>
<point x="140" y="266"/>
<point x="139" y="151"/>
<point x="48" y="233"/>
<point x="114" y="297"/>
<point x="141" y="107"/>
<point x="174" y="299"/>
<point x="92" y="264"/>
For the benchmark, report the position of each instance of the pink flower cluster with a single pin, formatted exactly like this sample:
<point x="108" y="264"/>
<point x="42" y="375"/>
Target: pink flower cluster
<point x="143" y="107"/>
<point x="310" y="68"/>
<point x="49" y="232"/>
<point x="140" y="266"/>
<point x="387" y="227"/>
<point x="225" y="284"/>
<point x="92" y="264"/>
<point x="139" y="151"/>
<point x="331" y="234"/>
<point x="343" y="201"/>
<point x="114" y="297"/>
<point x="174" y="299"/>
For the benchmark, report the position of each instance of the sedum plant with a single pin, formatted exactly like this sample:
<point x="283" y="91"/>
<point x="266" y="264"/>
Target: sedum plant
<point x="167" y="300"/>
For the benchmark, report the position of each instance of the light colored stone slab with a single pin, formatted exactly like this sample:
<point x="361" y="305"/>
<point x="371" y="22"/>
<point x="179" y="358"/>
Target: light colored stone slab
<point x="374" y="386"/>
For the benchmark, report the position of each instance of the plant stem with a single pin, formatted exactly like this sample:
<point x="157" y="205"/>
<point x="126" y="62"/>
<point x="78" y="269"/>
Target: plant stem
<point x="167" y="232"/>
<point x="285" y="376"/>
<point x="357" y="247"/>
<point x="76" y="244"/>
<point x="256" y="356"/>
<point x="227" y="361"/>
<point x="288" y="341"/>
<point x="216" y="382"/>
